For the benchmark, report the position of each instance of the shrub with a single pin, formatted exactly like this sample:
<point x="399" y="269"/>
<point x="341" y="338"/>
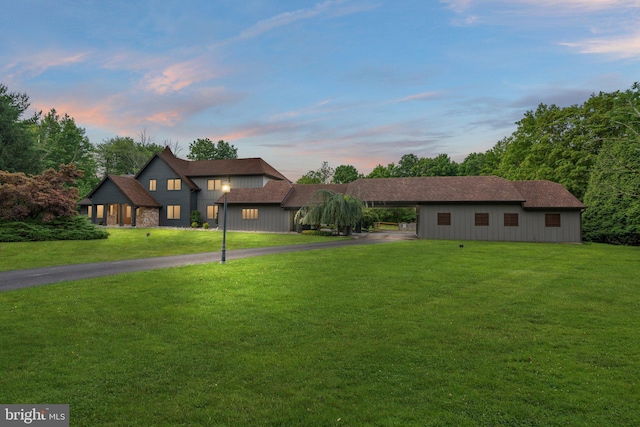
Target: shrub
<point x="205" y="225"/>
<point x="196" y="218"/>
<point x="73" y="228"/>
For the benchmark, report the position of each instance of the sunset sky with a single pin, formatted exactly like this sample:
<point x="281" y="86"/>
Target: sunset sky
<point x="358" y="82"/>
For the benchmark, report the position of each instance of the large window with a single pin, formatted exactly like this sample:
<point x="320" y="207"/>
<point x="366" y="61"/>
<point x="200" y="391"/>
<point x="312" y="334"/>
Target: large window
<point x="482" y="219"/>
<point x="511" y="220"/>
<point x="444" y="218"/>
<point x="173" y="211"/>
<point x="99" y="211"/>
<point x="214" y="184"/>
<point x="173" y="184"/>
<point x="152" y="185"/>
<point x="249" y="213"/>
<point x="552" y="220"/>
<point x="212" y="211"/>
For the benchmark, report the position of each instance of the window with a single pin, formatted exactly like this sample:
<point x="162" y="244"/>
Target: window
<point x="444" y="218"/>
<point x="173" y="184"/>
<point x="152" y="185"/>
<point x="90" y="211"/>
<point x="482" y="219"/>
<point x="552" y="220"/>
<point x="249" y="213"/>
<point x="214" y="184"/>
<point x="113" y="210"/>
<point x="212" y="212"/>
<point x="100" y="211"/>
<point x="173" y="212"/>
<point x="511" y="220"/>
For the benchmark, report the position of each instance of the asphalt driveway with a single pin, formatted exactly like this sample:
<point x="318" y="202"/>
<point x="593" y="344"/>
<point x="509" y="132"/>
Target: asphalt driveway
<point x="18" y="279"/>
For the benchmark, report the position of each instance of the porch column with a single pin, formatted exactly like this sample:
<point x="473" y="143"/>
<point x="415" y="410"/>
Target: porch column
<point x="133" y="216"/>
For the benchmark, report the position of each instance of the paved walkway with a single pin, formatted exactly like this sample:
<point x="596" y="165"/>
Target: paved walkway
<point x="18" y="279"/>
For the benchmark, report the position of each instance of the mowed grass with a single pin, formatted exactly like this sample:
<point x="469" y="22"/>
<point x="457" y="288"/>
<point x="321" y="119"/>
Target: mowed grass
<point x="130" y="243"/>
<point x="398" y="334"/>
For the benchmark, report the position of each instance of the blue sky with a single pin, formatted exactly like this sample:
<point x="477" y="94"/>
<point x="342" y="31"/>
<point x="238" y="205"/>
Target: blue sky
<point x="358" y="82"/>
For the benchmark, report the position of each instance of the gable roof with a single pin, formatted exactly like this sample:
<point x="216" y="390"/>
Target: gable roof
<point x="134" y="191"/>
<point x="186" y="169"/>
<point x="131" y="188"/>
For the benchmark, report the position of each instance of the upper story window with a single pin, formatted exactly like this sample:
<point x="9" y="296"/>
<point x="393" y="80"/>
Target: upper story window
<point x="152" y="185"/>
<point x="214" y="184"/>
<point x="174" y="184"/>
<point x="552" y="220"/>
<point x="482" y="219"/>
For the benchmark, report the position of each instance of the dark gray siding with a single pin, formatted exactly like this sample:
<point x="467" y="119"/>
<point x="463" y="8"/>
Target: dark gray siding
<point x="531" y="224"/>
<point x="270" y="218"/>
<point x="109" y="193"/>
<point x="161" y="172"/>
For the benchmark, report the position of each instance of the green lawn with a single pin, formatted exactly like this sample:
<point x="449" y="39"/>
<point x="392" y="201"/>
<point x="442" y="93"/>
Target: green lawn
<point x="397" y="334"/>
<point x="129" y="243"/>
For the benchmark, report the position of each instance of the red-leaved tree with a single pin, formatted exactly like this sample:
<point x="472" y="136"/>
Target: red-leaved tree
<point x="39" y="197"/>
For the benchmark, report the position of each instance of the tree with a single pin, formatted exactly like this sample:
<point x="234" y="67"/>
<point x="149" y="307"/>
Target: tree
<point x="327" y="207"/>
<point x="42" y="197"/>
<point x="61" y="141"/>
<point x="205" y="149"/>
<point x="17" y="140"/>
<point x="407" y="166"/>
<point x="320" y="176"/>
<point x="345" y="174"/>
<point x="123" y="155"/>
<point x="382" y="171"/>
<point x="472" y="165"/>
<point x="558" y="144"/>
<point x="441" y="165"/>
<point x="613" y="195"/>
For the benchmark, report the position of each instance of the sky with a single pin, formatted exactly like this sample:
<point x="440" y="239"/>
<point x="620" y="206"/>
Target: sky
<point x="297" y="83"/>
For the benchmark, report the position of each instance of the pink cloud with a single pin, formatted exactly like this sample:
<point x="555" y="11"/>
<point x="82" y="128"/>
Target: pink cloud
<point x="178" y="76"/>
<point x="623" y="47"/>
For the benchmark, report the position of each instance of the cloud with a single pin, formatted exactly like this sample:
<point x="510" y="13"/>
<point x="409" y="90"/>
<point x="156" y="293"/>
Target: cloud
<point x="178" y="76"/>
<point x="424" y="96"/>
<point x="33" y="65"/>
<point x="617" y="47"/>
<point x="328" y="7"/>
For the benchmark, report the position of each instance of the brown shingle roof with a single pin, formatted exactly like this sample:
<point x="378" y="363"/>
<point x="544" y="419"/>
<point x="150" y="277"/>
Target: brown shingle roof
<point x="302" y="193"/>
<point x="435" y="189"/>
<point x="138" y="195"/>
<point x="251" y="166"/>
<point x="272" y="192"/>
<point x="547" y="194"/>
<point x="449" y="189"/>
<point x="238" y="167"/>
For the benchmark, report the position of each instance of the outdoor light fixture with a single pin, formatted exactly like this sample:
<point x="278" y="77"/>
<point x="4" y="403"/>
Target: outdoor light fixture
<point x="226" y="188"/>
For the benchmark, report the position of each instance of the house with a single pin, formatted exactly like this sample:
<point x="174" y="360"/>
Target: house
<point x="168" y="189"/>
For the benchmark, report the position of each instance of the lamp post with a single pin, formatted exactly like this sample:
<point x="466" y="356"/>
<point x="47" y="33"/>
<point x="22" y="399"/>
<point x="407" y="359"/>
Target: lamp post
<point x="226" y="188"/>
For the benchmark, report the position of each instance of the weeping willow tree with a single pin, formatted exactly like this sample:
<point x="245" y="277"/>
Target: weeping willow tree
<point x="337" y="210"/>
